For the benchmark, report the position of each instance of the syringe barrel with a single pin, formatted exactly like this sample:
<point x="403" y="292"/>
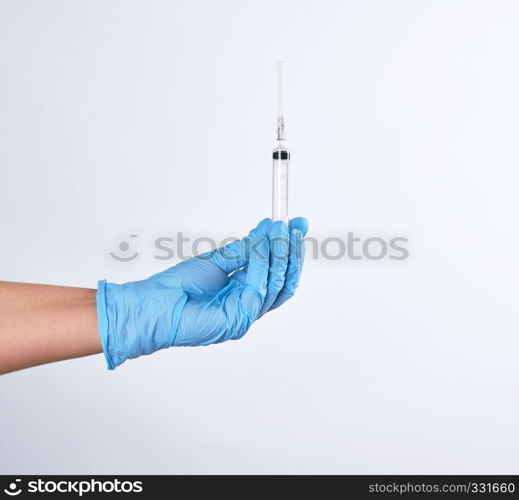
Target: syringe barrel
<point x="281" y="159"/>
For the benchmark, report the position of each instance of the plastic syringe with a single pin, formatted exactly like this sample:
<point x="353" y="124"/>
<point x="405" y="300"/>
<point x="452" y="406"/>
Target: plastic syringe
<point x="281" y="156"/>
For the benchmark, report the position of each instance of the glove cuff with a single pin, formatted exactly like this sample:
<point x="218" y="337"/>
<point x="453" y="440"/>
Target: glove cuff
<point x="127" y="328"/>
<point x="102" y="321"/>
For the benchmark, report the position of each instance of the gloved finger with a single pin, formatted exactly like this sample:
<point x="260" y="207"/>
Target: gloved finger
<point x="236" y="254"/>
<point x="295" y="264"/>
<point x="255" y="289"/>
<point x="300" y="223"/>
<point x="263" y="228"/>
<point x="279" y="251"/>
<point x="295" y="267"/>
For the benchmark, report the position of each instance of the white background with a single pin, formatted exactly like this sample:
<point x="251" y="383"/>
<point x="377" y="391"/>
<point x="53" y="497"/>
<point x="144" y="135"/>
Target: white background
<point x="152" y="117"/>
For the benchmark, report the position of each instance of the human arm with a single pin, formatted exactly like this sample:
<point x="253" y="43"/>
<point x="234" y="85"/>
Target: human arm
<point x="208" y="299"/>
<point x="43" y="323"/>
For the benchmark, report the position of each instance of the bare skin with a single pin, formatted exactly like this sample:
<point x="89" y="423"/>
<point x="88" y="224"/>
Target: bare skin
<point x="43" y="323"/>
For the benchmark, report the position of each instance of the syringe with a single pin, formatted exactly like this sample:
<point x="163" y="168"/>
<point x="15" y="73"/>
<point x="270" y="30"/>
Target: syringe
<point x="281" y="157"/>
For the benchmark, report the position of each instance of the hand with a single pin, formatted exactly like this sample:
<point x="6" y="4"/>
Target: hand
<point x="205" y="300"/>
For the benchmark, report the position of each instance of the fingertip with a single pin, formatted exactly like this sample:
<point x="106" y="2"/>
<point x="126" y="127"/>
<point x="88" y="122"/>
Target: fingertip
<point x="265" y="221"/>
<point x="300" y="223"/>
<point x="263" y="227"/>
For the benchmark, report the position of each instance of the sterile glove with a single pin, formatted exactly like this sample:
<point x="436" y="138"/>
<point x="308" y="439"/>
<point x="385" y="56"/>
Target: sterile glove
<point x="204" y="300"/>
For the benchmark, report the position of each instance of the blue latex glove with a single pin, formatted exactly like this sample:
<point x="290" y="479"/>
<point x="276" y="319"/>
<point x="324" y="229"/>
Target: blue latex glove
<point x="204" y="300"/>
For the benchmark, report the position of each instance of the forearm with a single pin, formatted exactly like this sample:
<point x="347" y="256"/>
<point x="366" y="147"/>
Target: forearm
<point x="42" y="323"/>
